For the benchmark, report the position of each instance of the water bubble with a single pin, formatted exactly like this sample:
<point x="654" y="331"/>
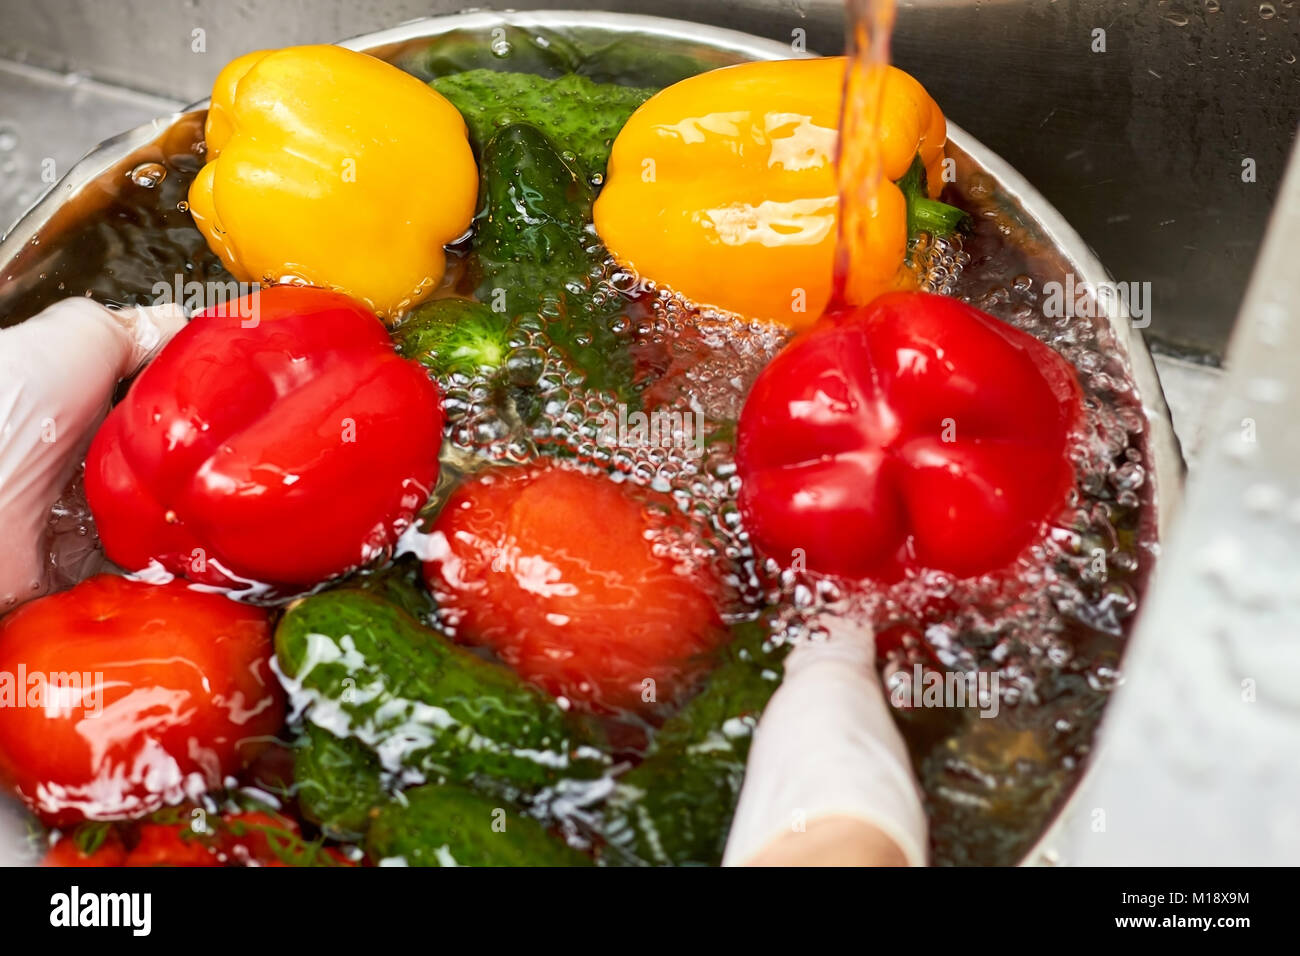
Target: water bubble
<point x="148" y="175"/>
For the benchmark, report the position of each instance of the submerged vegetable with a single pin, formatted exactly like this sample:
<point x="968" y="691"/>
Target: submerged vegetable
<point x="453" y="826"/>
<point x="400" y="583"/>
<point x="534" y="255"/>
<point x="170" y="844"/>
<point x="335" y="168"/>
<point x="192" y="837"/>
<point x="455" y="337"/>
<point x="68" y="851"/>
<point x="338" y="781"/>
<point x="578" y="115"/>
<point x="132" y="696"/>
<point x="723" y="187"/>
<point x="571" y="580"/>
<point x="287" y="410"/>
<point x="916" y="432"/>
<point x="675" y="807"/>
<point x="366" y="669"/>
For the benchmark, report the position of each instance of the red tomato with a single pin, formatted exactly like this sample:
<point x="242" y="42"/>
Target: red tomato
<point x="235" y="839"/>
<point x="165" y="691"/>
<point x="170" y="844"/>
<point x="248" y="836"/>
<point x="915" y="432"/>
<point x="284" y="453"/>
<point x="67" y="853"/>
<point x="555" y="569"/>
<point x="253" y="837"/>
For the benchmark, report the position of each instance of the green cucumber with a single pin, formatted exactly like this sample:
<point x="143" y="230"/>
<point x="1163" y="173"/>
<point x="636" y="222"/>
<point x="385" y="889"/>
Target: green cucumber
<point x="339" y="783"/>
<point x="455" y="337"/>
<point x="580" y="116"/>
<point x="536" y="260"/>
<point x="453" y="826"/>
<point x="362" y="667"/>
<point x="400" y="582"/>
<point x="675" y="808"/>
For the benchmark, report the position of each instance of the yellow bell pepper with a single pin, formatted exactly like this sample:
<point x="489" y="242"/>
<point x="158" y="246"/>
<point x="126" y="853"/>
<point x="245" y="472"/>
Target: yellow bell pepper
<point x="723" y="187"/>
<point x="333" y="168"/>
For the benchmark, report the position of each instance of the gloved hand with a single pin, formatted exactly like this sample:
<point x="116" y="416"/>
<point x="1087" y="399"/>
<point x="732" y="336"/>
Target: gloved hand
<point x="826" y="751"/>
<point x="57" y="374"/>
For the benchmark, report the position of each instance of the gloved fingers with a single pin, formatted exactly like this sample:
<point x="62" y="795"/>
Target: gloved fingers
<point x="841" y="641"/>
<point x="58" y="370"/>
<point x="834" y="840"/>
<point x="150" y="328"/>
<point x="827" y="746"/>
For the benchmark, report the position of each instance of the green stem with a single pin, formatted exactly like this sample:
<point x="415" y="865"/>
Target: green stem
<point x="923" y="213"/>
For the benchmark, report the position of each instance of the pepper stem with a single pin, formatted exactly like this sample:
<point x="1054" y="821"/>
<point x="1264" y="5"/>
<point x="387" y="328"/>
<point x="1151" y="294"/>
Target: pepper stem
<point x="923" y="213"/>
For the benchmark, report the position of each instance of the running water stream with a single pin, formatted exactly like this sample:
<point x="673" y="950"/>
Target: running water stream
<point x="859" y="275"/>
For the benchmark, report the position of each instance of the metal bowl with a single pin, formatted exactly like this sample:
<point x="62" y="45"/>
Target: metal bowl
<point x="672" y="49"/>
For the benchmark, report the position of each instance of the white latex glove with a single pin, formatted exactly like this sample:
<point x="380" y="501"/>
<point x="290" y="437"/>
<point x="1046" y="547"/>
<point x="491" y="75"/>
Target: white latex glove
<point x="826" y="747"/>
<point x="57" y="374"/>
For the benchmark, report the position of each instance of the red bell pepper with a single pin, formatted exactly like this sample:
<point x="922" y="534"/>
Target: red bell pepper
<point x="915" y="432"/>
<point x="285" y="449"/>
